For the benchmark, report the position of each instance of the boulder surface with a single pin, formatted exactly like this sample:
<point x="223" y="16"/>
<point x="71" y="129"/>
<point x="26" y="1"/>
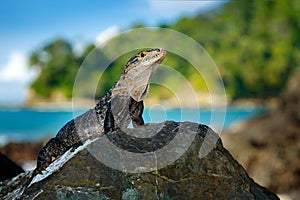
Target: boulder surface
<point x="176" y="161"/>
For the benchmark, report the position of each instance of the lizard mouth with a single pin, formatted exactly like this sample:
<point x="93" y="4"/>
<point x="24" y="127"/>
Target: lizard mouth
<point x="160" y="56"/>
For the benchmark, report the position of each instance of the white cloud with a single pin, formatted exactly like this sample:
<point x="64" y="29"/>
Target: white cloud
<point x="15" y="76"/>
<point x="103" y="37"/>
<point x="79" y="46"/>
<point x="17" y="69"/>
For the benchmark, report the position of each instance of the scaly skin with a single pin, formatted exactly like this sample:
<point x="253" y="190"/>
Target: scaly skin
<point x="121" y="104"/>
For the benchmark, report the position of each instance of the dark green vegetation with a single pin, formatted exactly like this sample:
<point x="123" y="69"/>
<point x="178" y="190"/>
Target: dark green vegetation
<point x="255" y="44"/>
<point x="58" y="66"/>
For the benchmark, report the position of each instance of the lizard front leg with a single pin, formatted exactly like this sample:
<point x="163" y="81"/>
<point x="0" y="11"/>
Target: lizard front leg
<point x="109" y="121"/>
<point x="44" y="158"/>
<point x="136" y="111"/>
<point x="50" y="151"/>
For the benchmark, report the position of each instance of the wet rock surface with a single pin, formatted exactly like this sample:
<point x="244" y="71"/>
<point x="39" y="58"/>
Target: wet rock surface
<point x="185" y="170"/>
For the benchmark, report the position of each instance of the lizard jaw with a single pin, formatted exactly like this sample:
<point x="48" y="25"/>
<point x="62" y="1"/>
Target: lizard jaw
<point x="138" y="76"/>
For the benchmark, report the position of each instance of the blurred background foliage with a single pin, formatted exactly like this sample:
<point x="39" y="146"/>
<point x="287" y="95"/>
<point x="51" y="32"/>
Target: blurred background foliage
<point x="255" y="44"/>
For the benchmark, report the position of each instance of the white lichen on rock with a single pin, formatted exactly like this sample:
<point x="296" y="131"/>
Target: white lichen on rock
<point x="57" y="164"/>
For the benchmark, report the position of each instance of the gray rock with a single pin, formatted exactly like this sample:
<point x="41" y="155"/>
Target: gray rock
<point x="8" y="168"/>
<point x="290" y="99"/>
<point x="268" y="146"/>
<point x="191" y="175"/>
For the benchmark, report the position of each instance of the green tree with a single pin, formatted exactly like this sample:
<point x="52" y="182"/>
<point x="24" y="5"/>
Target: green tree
<point x="58" y="67"/>
<point x="255" y="44"/>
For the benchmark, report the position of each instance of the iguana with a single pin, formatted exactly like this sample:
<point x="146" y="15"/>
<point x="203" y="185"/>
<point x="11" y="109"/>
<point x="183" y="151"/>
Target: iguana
<point x="121" y="104"/>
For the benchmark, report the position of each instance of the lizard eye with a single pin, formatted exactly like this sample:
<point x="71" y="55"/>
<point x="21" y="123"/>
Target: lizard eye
<point x="142" y="55"/>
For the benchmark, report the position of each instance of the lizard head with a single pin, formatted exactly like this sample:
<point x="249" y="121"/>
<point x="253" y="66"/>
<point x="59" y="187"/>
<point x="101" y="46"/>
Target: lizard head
<point x="139" y="69"/>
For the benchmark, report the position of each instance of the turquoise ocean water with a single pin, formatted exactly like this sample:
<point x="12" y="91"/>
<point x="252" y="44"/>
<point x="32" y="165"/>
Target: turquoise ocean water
<point x="19" y="125"/>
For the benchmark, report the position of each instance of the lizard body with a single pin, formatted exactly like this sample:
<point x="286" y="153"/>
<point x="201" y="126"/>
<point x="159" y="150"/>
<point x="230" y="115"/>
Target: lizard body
<point x="121" y="104"/>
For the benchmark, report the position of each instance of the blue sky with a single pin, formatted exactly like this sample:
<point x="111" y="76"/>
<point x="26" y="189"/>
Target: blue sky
<point x="27" y="25"/>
